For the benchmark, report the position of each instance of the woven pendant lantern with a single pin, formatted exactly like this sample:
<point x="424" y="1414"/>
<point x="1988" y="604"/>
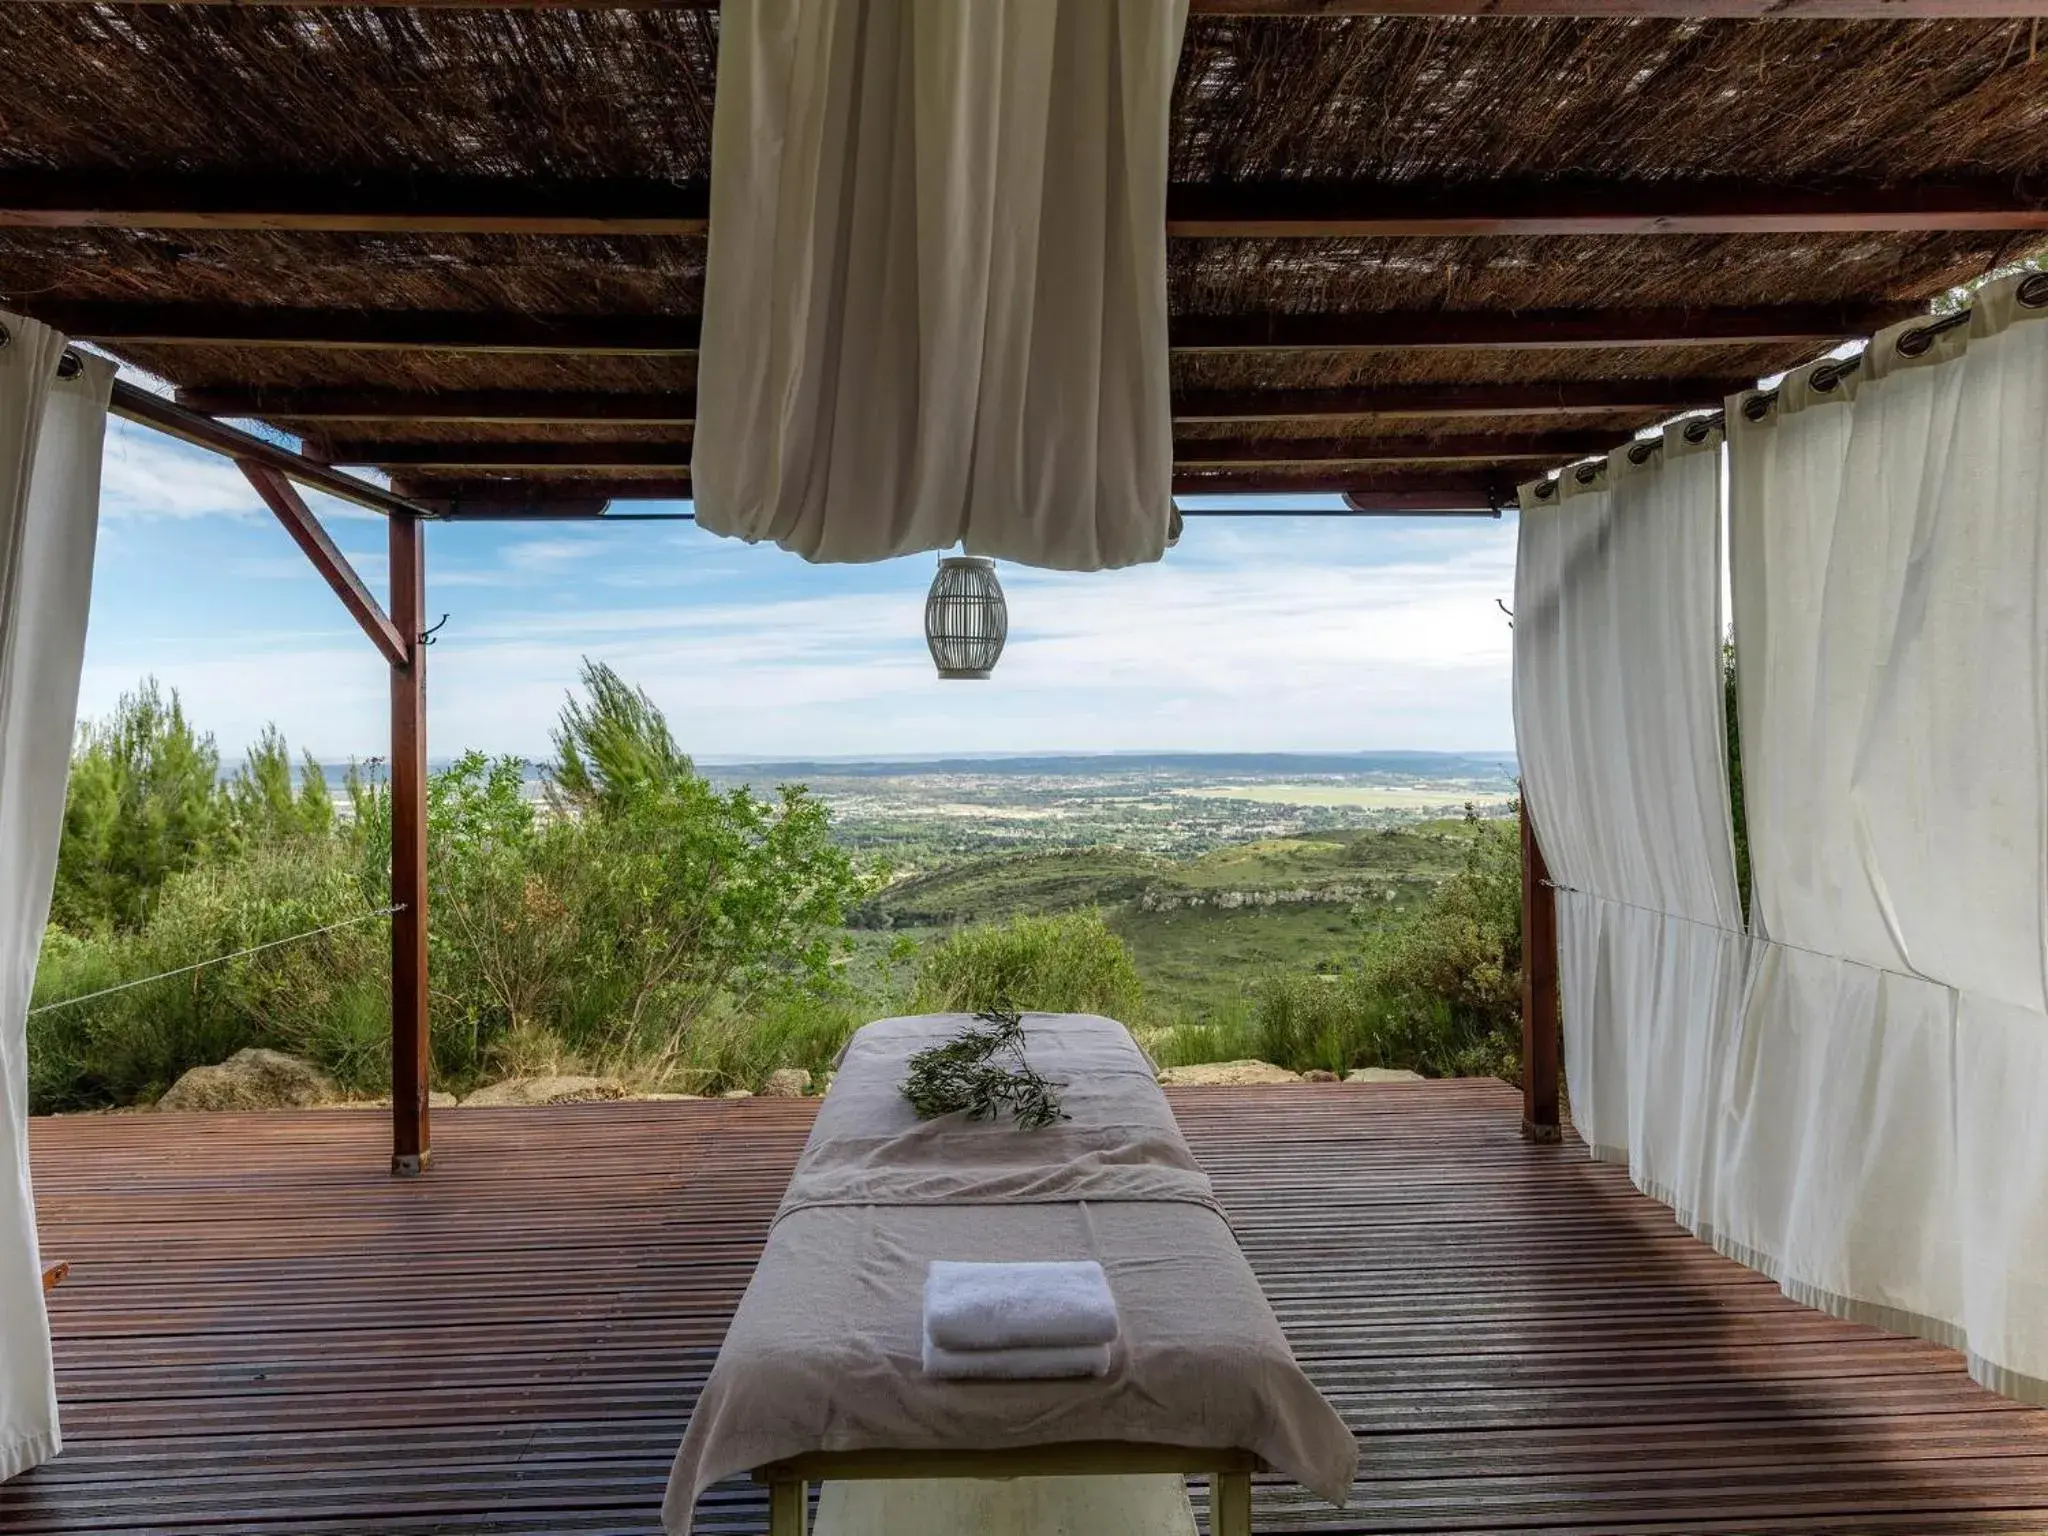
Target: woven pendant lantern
<point x="965" y="618"/>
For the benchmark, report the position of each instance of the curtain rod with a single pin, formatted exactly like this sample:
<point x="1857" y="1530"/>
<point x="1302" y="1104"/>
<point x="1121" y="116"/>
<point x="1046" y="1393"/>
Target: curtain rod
<point x="2033" y="293"/>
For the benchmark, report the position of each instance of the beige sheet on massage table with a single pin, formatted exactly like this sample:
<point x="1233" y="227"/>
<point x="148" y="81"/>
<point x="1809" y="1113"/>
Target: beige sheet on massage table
<point x="823" y="1353"/>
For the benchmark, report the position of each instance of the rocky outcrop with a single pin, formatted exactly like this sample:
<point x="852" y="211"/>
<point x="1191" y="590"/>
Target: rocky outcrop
<point x="545" y="1090"/>
<point x="1382" y="1075"/>
<point x="1173" y="899"/>
<point x="1227" y="1074"/>
<point x="251" y="1079"/>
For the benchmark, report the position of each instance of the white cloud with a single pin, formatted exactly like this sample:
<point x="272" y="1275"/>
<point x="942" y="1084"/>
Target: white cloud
<point x="1259" y="637"/>
<point x="147" y="475"/>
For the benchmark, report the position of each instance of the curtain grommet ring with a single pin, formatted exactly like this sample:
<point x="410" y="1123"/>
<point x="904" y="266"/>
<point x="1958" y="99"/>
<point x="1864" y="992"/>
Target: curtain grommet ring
<point x="1546" y="490"/>
<point x="1696" y="431"/>
<point x="1586" y="474"/>
<point x="1639" y="453"/>
<point x="5" y="335"/>
<point x="2033" y="291"/>
<point x="1758" y="406"/>
<point x="70" y="365"/>
<point x="1914" y="343"/>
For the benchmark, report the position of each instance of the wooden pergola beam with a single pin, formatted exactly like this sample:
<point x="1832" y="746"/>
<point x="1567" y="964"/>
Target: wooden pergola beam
<point x="468" y="331"/>
<point x="678" y="408"/>
<point x="1559" y="397"/>
<point x="512" y="499"/>
<point x="516" y="407"/>
<point x="485" y="332"/>
<point x="1269" y="210"/>
<point x="1423" y="491"/>
<point x="1473" y="448"/>
<point x="1323" y="210"/>
<point x="199" y="429"/>
<point x="509" y="496"/>
<point x="1272" y="452"/>
<point x="284" y="500"/>
<point x="493" y="456"/>
<point x="1732" y="10"/>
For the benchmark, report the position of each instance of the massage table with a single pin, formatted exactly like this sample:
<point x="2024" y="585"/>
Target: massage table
<point x="820" y="1376"/>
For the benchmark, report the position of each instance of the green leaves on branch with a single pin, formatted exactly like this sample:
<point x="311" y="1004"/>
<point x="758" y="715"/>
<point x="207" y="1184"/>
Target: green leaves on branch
<point x="983" y="1071"/>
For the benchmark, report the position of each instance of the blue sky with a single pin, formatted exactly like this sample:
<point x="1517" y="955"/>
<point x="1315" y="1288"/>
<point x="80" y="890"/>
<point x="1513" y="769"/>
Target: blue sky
<point x="1261" y="634"/>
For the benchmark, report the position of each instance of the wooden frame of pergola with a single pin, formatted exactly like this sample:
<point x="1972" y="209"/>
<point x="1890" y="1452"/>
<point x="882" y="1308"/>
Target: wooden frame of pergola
<point x="537" y="408"/>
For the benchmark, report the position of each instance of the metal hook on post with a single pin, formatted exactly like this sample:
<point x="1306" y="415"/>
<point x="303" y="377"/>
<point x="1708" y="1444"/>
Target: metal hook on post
<point x="427" y="635"/>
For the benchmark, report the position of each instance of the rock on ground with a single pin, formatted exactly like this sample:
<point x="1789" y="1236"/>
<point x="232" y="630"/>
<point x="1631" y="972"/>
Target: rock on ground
<point x="786" y="1083"/>
<point x="1382" y="1075"/>
<point x="1318" y="1075"/>
<point x="545" y="1090"/>
<point x="737" y="1093"/>
<point x="251" y="1079"/>
<point x="1227" y="1074"/>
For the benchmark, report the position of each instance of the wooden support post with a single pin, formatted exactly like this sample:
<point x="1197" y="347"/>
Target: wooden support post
<point x="788" y="1507"/>
<point x="411" y="1143"/>
<point x="1230" y="1504"/>
<point x="1540" y="1041"/>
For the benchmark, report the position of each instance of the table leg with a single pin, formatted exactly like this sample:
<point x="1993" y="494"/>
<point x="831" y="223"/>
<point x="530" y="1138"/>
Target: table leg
<point x="1230" y="1504"/>
<point x="788" y="1505"/>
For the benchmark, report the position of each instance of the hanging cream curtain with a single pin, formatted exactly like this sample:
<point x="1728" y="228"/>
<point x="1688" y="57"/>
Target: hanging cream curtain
<point x="935" y="297"/>
<point x="1620" y="731"/>
<point x="51" y="431"/>
<point x="1886" y="1147"/>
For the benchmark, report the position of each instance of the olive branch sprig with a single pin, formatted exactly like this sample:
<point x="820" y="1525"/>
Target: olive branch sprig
<point x="983" y="1071"/>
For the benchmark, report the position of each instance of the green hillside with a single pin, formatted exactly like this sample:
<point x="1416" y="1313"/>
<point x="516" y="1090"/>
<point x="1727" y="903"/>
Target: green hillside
<point x="1205" y="928"/>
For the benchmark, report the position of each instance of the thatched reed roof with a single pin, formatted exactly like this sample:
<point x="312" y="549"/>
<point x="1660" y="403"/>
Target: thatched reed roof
<point x="1403" y="247"/>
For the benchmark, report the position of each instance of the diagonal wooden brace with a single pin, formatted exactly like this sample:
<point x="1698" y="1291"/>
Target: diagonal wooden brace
<point x="283" y="498"/>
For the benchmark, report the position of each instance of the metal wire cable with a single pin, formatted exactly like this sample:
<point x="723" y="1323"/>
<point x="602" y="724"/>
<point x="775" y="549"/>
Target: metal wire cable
<point x="1747" y="936"/>
<point x="200" y="965"/>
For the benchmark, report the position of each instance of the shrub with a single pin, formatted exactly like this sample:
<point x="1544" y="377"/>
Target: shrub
<point x="144" y="803"/>
<point x="320" y="997"/>
<point x="642" y="923"/>
<point x="642" y="908"/>
<point x="734" y="1049"/>
<point x="1439" y="993"/>
<point x="1070" y="963"/>
<point x="1449" y="979"/>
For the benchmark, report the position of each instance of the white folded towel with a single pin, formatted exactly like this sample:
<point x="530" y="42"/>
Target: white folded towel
<point x="1015" y="1364"/>
<point x="1034" y="1306"/>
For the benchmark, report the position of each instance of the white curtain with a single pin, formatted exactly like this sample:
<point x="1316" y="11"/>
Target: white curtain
<point x="51" y="431"/>
<point x="935" y="298"/>
<point x="1619" y="726"/>
<point x="1886" y="1154"/>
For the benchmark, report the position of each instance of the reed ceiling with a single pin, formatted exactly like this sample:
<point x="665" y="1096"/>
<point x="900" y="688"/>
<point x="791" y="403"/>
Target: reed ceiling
<point x="258" y="201"/>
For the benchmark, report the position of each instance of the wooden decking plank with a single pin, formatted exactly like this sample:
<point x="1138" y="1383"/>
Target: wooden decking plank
<point x="263" y="1332"/>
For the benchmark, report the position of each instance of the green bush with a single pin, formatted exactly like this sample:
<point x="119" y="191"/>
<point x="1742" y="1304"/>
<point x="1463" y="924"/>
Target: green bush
<point x="1069" y="963"/>
<point x="313" y="997"/>
<point x="1437" y="993"/>
<point x="144" y="803"/>
<point x="641" y="922"/>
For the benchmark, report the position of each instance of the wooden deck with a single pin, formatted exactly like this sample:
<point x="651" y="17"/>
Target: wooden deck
<point x="264" y="1332"/>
